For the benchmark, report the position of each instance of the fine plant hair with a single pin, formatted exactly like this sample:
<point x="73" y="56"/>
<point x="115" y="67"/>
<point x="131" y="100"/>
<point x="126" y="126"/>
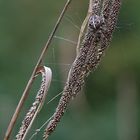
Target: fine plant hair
<point x="100" y="26"/>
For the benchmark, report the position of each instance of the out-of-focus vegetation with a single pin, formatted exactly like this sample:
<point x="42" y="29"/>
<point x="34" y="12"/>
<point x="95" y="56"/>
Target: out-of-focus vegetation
<point x="108" y="106"/>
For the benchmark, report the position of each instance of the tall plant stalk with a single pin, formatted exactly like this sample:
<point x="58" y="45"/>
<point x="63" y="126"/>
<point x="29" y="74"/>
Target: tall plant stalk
<point x="29" y="84"/>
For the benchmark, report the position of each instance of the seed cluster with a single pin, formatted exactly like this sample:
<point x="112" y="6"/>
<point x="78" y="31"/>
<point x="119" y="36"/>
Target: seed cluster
<point x="99" y="32"/>
<point x="36" y="106"/>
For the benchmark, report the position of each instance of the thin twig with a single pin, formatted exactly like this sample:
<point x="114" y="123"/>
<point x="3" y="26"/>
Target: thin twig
<point x="28" y="86"/>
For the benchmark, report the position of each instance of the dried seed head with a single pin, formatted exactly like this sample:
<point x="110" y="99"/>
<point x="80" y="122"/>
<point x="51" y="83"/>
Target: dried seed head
<point x="93" y="46"/>
<point x="36" y="106"/>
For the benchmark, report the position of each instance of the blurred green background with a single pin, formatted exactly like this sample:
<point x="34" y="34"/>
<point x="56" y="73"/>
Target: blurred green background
<point x="108" y="106"/>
